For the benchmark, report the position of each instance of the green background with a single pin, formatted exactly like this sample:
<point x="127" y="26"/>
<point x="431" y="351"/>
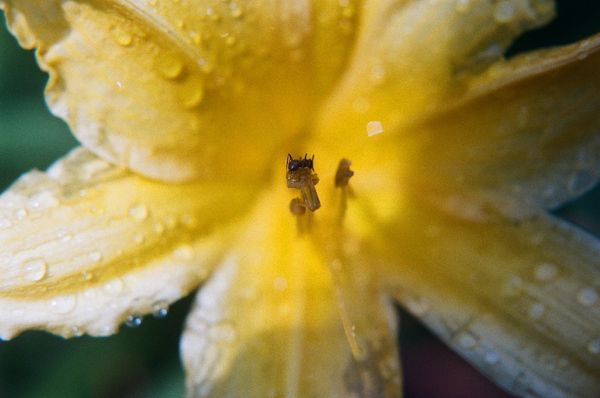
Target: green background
<point x="143" y="362"/>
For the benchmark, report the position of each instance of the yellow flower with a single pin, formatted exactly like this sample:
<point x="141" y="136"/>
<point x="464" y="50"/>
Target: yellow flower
<point x="186" y="112"/>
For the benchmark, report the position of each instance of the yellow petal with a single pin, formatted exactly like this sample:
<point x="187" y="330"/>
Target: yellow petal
<point x="529" y="127"/>
<point x="181" y="90"/>
<point x="414" y="58"/>
<point x="518" y="300"/>
<point x="268" y="322"/>
<point x="87" y="244"/>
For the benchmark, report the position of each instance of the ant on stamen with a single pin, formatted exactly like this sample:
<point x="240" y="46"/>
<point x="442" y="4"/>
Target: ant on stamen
<point x="300" y="174"/>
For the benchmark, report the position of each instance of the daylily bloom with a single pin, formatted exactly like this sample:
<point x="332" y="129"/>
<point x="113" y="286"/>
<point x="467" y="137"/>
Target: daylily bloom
<point x="186" y="112"/>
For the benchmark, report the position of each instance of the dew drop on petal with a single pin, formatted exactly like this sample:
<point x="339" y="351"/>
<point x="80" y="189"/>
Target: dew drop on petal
<point x="114" y="287"/>
<point x="545" y="272"/>
<point x="95" y="256"/>
<point x="20" y="214"/>
<point x="536" y="310"/>
<point x="160" y="309"/>
<point x="280" y="284"/>
<point x="5" y="223"/>
<point x="580" y="181"/>
<point x="184" y="252"/>
<point x="169" y="66"/>
<point x="34" y="269"/>
<point x="504" y="11"/>
<point x="587" y="296"/>
<point x="594" y="346"/>
<point x="462" y="5"/>
<point x="138" y="212"/>
<point x="513" y="286"/>
<point x="63" y="304"/>
<point x="138" y="238"/>
<point x="467" y="340"/>
<point x="133" y="321"/>
<point x="491" y="357"/>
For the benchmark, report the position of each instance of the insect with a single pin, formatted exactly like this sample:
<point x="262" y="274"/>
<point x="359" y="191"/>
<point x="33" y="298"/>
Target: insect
<point x="300" y="174"/>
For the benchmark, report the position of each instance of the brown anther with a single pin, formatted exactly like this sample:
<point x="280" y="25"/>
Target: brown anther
<point x="297" y="207"/>
<point x="343" y="173"/>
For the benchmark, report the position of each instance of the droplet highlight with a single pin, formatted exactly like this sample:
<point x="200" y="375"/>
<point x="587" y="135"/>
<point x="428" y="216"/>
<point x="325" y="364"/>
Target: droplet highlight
<point x="63" y="304"/>
<point x="138" y="212"/>
<point x="133" y="321"/>
<point x="374" y="127"/>
<point x="34" y="269"/>
<point x="545" y="272"/>
<point x="587" y="296"/>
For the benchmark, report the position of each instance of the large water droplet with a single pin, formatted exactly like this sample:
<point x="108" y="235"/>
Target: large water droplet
<point x="133" y="321"/>
<point x="138" y="212"/>
<point x="587" y="296"/>
<point x="63" y="304"/>
<point x="236" y="10"/>
<point x="504" y="11"/>
<point x="20" y="214"/>
<point x="169" y="66"/>
<point x="34" y="269"/>
<point x="545" y="272"/>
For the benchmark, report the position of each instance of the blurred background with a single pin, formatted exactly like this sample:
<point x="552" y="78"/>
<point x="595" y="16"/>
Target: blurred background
<point x="143" y="361"/>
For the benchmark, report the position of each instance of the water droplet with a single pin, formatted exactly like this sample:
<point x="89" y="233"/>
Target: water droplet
<point x="170" y="222"/>
<point x="230" y="41"/>
<point x="536" y="310"/>
<point x="87" y="276"/>
<point x="138" y="212"/>
<point x="121" y="36"/>
<point x="513" y="286"/>
<point x="194" y="96"/>
<point x="545" y="272"/>
<point x="189" y="221"/>
<point x="580" y="181"/>
<point x="491" y="357"/>
<point x="377" y="74"/>
<point x="236" y="10"/>
<point x="418" y="306"/>
<point x="280" y="284"/>
<point x="43" y="200"/>
<point x="133" y="321"/>
<point x="169" y="66"/>
<point x="594" y="346"/>
<point x="587" y="296"/>
<point x="160" y="309"/>
<point x="158" y="228"/>
<point x="21" y="214"/>
<point x="504" y="11"/>
<point x="462" y="5"/>
<point x="63" y="304"/>
<point x="467" y="340"/>
<point x="5" y="223"/>
<point x="184" y="252"/>
<point x="34" y="269"/>
<point x="374" y="127"/>
<point x="138" y="238"/>
<point x="114" y="287"/>
<point x="76" y="331"/>
<point x="95" y="256"/>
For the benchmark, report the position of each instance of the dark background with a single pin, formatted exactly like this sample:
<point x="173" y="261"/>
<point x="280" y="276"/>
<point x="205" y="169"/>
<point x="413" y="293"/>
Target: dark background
<point x="143" y="362"/>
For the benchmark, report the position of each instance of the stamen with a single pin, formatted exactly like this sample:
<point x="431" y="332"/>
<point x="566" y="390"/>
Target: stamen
<point x="342" y="180"/>
<point x="300" y="174"/>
